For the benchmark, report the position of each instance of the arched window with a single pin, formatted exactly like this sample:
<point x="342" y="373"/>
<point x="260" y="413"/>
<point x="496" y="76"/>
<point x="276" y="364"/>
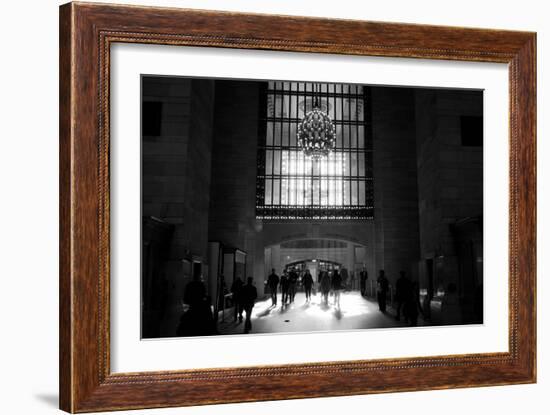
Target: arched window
<point x="292" y="186"/>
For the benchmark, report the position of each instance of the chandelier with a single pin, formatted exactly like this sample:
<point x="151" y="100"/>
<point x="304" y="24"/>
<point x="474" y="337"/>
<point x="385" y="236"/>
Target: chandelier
<point x="316" y="133"/>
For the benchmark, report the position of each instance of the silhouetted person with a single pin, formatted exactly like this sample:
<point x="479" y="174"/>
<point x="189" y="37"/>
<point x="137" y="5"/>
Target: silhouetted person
<point x="285" y="287"/>
<point x="412" y="304"/>
<point x="382" y="290"/>
<point x="248" y="296"/>
<point x="236" y="290"/>
<point x="198" y="319"/>
<point x="195" y="292"/>
<point x="363" y="277"/>
<point x="344" y="274"/>
<point x="307" y="280"/>
<point x="337" y="286"/>
<point x="273" y="282"/>
<point x="325" y="286"/>
<point x="402" y="294"/>
<point x="293" y="283"/>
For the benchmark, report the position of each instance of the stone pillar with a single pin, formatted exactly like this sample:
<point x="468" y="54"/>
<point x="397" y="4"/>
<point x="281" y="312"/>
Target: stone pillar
<point x="232" y="218"/>
<point x="456" y="190"/>
<point x="395" y="180"/>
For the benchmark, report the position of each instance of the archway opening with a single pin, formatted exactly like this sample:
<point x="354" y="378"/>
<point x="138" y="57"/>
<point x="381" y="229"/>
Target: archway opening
<point x="316" y="255"/>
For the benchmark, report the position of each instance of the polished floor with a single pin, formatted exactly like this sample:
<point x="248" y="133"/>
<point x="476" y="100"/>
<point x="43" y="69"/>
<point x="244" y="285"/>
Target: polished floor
<point x="355" y="312"/>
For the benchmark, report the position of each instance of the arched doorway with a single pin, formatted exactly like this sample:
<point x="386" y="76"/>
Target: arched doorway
<point x="316" y="254"/>
<point x="314" y="265"/>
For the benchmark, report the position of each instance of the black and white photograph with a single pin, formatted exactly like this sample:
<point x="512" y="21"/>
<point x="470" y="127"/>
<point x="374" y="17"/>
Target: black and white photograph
<point x="296" y="206"/>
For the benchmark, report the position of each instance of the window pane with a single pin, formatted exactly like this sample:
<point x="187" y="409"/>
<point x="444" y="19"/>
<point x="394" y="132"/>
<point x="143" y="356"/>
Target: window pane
<point x="316" y="187"/>
<point x="268" y="162"/>
<point x="276" y="192"/>
<point x="277" y="134"/>
<point x="346" y="192"/>
<point x="354" y="192"/>
<point x="353" y="164"/>
<point x="353" y="136"/>
<point x="293" y="106"/>
<point x="361" y="136"/>
<point x="270" y="107"/>
<point x="277" y="162"/>
<point x="362" y="194"/>
<point x="268" y="192"/>
<point x="361" y="164"/>
<point x="293" y="135"/>
<point x="346" y="136"/>
<point x="284" y="188"/>
<point x="360" y="106"/>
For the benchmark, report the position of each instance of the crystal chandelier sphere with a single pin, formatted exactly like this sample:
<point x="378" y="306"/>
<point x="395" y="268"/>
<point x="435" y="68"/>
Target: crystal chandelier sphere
<point x="316" y="134"/>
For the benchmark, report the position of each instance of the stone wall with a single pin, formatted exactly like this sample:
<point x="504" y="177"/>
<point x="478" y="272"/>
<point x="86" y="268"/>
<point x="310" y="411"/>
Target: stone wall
<point x="176" y="163"/>
<point x="232" y="218"/>
<point x="450" y="175"/>
<point x="175" y="173"/>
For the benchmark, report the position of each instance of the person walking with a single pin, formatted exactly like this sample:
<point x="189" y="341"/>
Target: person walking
<point x="363" y="277"/>
<point x="344" y="275"/>
<point x="248" y="297"/>
<point x="198" y="319"/>
<point x="325" y="286"/>
<point x="307" y="280"/>
<point x="382" y="290"/>
<point x="273" y="282"/>
<point x="293" y="283"/>
<point x="195" y="292"/>
<point x="285" y="286"/>
<point x="337" y="286"/>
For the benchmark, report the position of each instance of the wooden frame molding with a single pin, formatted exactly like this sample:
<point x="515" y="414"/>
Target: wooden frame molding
<point x="86" y="33"/>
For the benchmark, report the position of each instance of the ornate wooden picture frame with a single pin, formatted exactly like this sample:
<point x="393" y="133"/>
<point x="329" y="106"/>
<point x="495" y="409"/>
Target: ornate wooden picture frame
<point x="87" y="32"/>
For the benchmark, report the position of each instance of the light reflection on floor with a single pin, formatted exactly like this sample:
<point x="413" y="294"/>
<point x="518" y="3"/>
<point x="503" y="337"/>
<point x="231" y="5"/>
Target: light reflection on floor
<point x="355" y="312"/>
